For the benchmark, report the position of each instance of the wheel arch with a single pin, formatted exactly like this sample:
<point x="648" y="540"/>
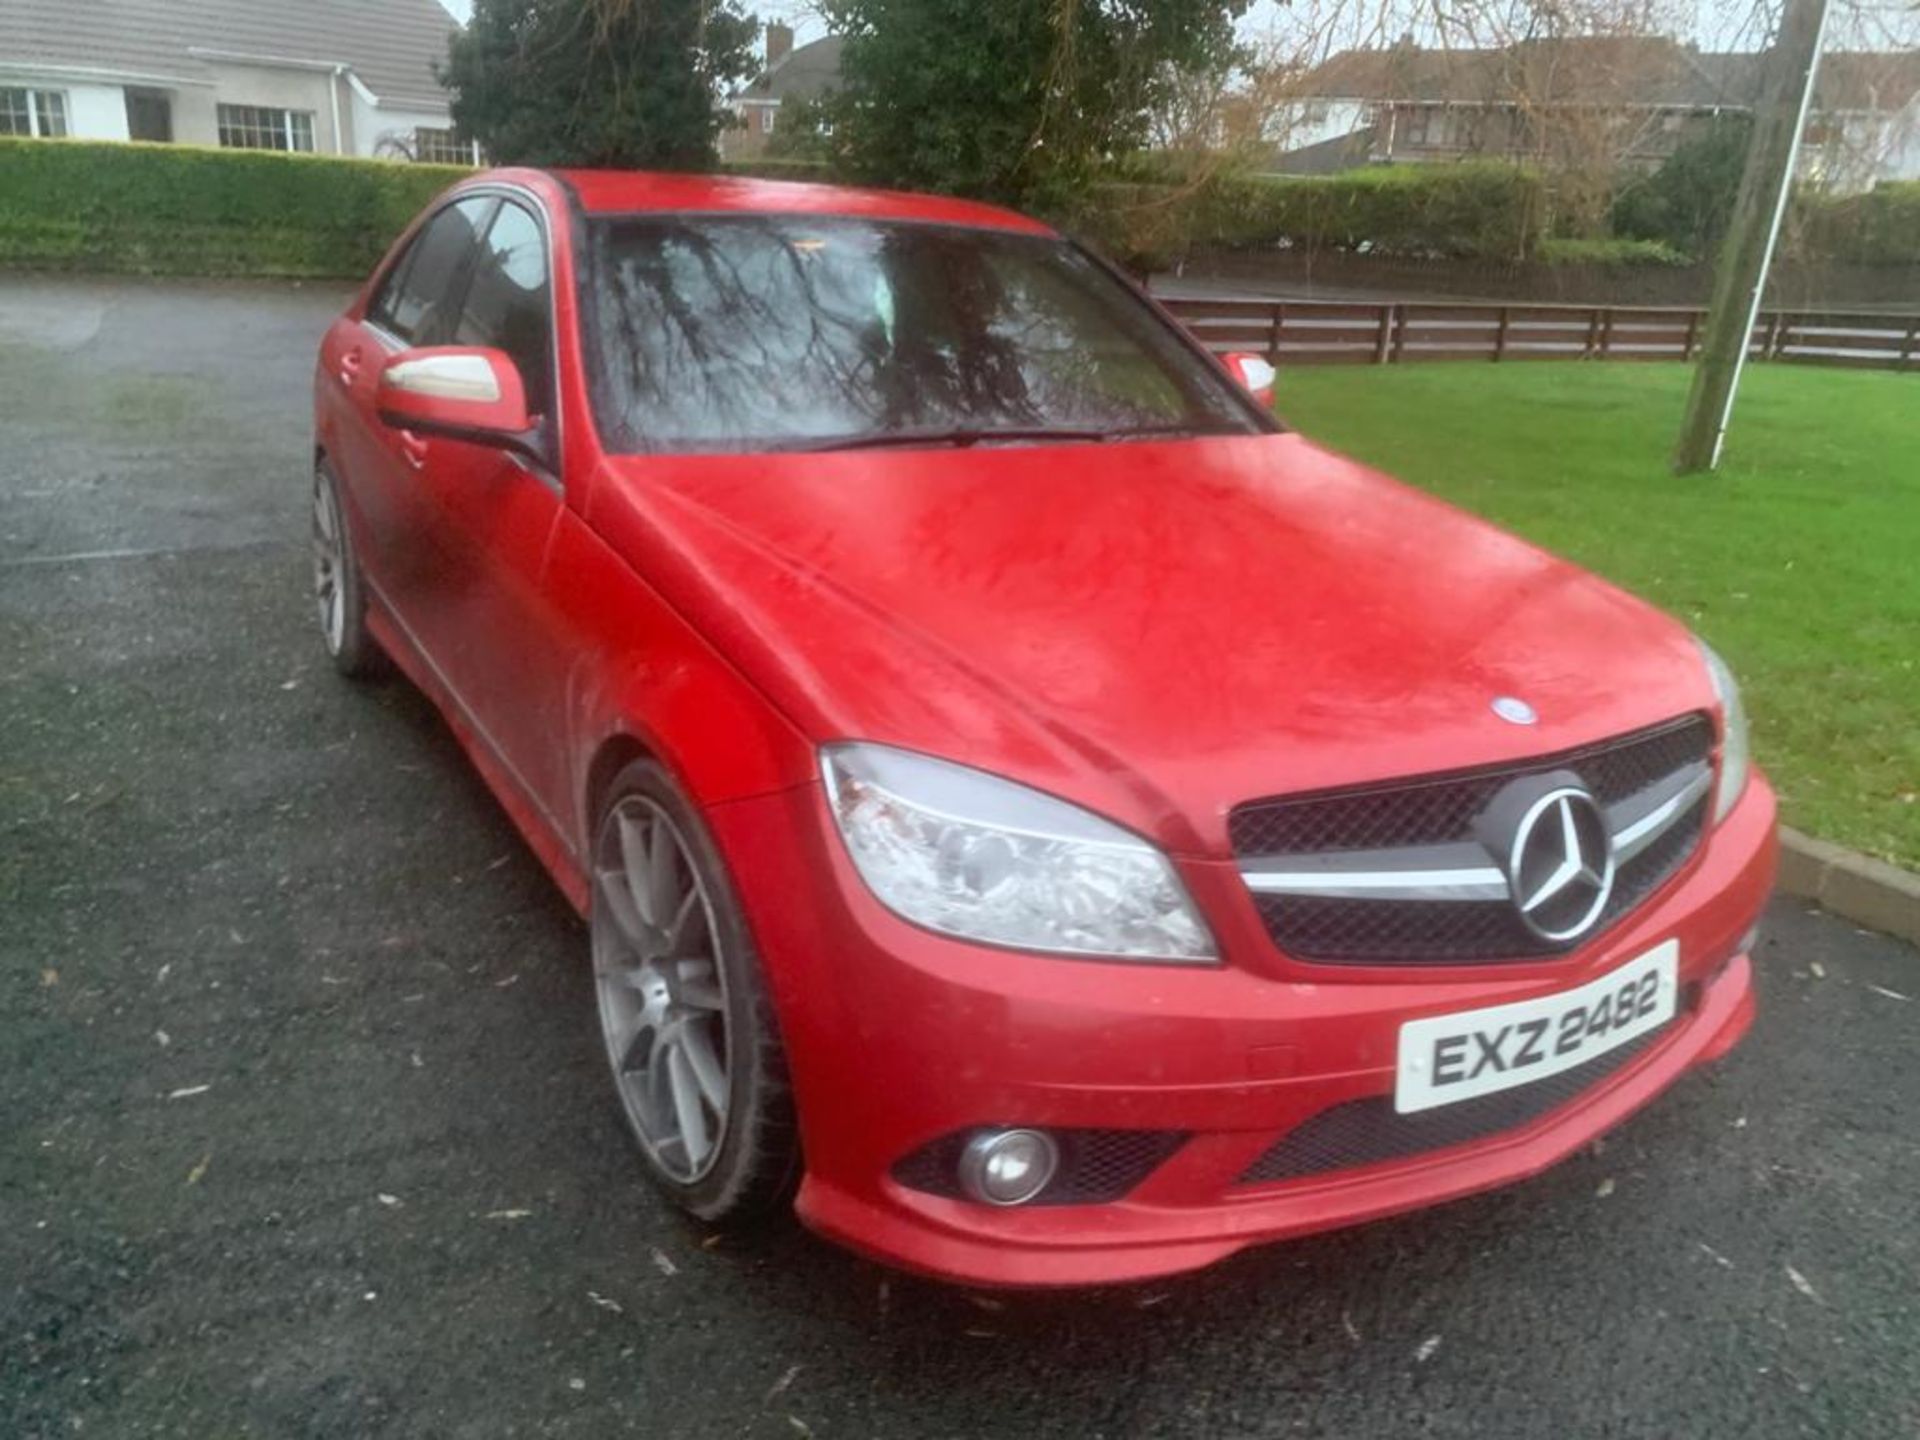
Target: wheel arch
<point x="614" y="754"/>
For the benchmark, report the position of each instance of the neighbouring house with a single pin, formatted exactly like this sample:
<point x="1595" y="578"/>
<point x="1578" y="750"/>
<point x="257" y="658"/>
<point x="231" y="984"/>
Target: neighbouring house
<point x="1628" y="100"/>
<point x="334" y="77"/>
<point x="805" y="73"/>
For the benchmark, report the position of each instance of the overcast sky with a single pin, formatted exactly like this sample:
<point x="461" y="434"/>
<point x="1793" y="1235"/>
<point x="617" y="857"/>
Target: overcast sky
<point x="1716" y="24"/>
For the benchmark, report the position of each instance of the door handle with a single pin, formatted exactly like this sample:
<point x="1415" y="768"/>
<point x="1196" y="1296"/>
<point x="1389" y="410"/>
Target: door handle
<point x="349" y="367"/>
<point x="414" y="448"/>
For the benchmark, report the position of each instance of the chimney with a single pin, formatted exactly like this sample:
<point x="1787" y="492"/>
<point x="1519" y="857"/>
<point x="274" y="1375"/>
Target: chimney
<point x="779" y="42"/>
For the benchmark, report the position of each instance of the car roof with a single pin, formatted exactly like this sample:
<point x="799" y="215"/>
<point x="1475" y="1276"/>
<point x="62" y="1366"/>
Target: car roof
<point x="624" y="192"/>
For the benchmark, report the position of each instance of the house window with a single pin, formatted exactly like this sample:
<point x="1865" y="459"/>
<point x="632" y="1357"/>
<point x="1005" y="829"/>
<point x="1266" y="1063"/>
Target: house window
<point x="766" y="119"/>
<point x="39" y="113"/>
<point x="437" y="146"/>
<point x="1418" y="122"/>
<point x="149" y="115"/>
<point x="261" y="127"/>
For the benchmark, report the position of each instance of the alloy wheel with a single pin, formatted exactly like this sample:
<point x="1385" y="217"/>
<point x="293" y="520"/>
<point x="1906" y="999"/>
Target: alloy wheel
<point x="661" y="988"/>
<point x="328" y="562"/>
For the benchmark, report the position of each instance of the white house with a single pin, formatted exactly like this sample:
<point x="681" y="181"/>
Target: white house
<point x="1637" y="97"/>
<point x="335" y="77"/>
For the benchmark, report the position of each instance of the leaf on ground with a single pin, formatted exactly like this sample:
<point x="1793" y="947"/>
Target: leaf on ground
<point x="193" y="1175"/>
<point x="49" y="978"/>
<point x="800" y="1427"/>
<point x="1890" y="994"/>
<point x="1819" y="970"/>
<point x="1802" y="1284"/>
<point x="1605" y="1188"/>
<point x="389" y="1200"/>
<point x="605" y="1304"/>
<point x="1427" y="1347"/>
<point x="1718" y="1258"/>
<point x="188" y="1092"/>
<point x="780" y="1385"/>
<point x="664" y="1262"/>
<point x="508" y="1214"/>
<point x="1346" y="1324"/>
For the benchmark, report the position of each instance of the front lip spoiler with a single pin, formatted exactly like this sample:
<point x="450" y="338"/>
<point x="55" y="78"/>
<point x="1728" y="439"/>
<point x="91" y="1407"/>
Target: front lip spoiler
<point x="1136" y="1242"/>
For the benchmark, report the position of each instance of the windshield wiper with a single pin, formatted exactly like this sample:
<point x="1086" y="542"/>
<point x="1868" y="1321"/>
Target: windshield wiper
<point x="961" y="436"/>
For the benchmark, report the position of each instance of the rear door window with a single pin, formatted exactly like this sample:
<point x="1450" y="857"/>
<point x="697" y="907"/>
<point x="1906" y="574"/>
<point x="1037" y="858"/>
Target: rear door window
<point x="415" y="301"/>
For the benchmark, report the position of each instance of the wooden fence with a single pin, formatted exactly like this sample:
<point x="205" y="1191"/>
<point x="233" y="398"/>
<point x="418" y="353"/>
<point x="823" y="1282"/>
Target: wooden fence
<point x="1315" y="332"/>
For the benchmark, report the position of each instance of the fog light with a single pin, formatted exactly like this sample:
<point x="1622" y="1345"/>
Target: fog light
<point x="1008" y="1167"/>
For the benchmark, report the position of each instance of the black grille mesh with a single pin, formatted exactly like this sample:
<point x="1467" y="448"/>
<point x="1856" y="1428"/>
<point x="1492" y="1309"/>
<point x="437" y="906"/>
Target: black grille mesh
<point x="1096" y="1166"/>
<point x="1440" y="809"/>
<point x="1366" y="1132"/>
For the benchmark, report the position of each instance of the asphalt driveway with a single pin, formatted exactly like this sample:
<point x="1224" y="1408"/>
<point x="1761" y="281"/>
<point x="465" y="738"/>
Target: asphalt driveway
<point x="303" y="1130"/>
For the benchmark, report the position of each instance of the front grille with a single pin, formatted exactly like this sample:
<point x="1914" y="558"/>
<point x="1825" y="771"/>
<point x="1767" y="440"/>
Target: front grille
<point x="1441" y="809"/>
<point x="1097" y="1167"/>
<point x="1367" y="1132"/>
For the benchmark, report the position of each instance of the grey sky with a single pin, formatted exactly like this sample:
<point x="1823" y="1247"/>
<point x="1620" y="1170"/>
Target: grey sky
<point x="1714" y="24"/>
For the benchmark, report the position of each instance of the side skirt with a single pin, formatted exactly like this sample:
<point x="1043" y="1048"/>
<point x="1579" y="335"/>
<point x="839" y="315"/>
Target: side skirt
<point x="528" y="815"/>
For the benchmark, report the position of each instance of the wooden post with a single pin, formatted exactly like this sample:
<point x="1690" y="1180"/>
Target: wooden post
<point x="1273" y="336"/>
<point x="1385" y="337"/>
<point x="1399" y="333"/>
<point x="1771" y="349"/>
<point x="1606" y="332"/>
<point x="1908" y="346"/>
<point x="1741" y="275"/>
<point x="1693" y="333"/>
<point x="1593" y="333"/>
<point x="1500" y="335"/>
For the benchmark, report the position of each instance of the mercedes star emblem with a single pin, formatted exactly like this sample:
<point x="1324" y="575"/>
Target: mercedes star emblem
<point x="1514" y="710"/>
<point x="1561" y="866"/>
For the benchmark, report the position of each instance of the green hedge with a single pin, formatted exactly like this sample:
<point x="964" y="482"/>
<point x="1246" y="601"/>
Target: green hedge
<point x="184" y="210"/>
<point x="1608" y="250"/>
<point x="1474" y="210"/>
<point x="1881" y="227"/>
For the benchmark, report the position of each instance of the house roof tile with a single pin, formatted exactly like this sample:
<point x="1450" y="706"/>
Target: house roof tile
<point x="390" y="45"/>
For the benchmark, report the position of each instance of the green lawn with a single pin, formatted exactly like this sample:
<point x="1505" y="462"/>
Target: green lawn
<point x="1799" y="560"/>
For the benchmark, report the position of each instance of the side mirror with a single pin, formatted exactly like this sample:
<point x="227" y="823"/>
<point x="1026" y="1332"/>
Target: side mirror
<point x="459" y="392"/>
<point x="1254" y="372"/>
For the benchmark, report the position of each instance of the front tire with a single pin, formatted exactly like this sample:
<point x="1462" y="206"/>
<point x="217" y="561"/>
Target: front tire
<point x="339" y="593"/>
<point x="689" y="1031"/>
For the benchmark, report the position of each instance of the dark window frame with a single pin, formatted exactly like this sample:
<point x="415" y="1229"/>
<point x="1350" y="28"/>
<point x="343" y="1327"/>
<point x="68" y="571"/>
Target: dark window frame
<point x="551" y="442"/>
<point x="402" y="267"/>
<point x="471" y="270"/>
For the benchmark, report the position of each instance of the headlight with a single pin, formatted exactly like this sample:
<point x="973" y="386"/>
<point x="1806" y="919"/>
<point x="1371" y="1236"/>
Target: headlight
<point x="1733" y="744"/>
<point x="967" y="854"/>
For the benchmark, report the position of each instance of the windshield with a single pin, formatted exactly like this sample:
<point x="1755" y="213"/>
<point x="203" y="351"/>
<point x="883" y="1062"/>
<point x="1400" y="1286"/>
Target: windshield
<point x="770" y="332"/>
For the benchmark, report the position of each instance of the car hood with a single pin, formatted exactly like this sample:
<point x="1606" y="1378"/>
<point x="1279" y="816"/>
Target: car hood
<point x="1156" y="630"/>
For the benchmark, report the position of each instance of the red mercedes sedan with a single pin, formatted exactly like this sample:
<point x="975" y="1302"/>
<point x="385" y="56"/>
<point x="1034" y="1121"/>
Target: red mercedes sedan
<point x="1035" y="815"/>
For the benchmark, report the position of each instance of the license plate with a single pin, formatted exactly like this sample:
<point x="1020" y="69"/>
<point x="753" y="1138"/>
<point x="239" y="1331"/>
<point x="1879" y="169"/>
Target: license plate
<point x="1447" y="1058"/>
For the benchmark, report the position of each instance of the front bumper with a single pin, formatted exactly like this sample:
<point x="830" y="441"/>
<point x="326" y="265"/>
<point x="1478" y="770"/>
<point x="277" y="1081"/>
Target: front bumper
<point x="897" y="1037"/>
